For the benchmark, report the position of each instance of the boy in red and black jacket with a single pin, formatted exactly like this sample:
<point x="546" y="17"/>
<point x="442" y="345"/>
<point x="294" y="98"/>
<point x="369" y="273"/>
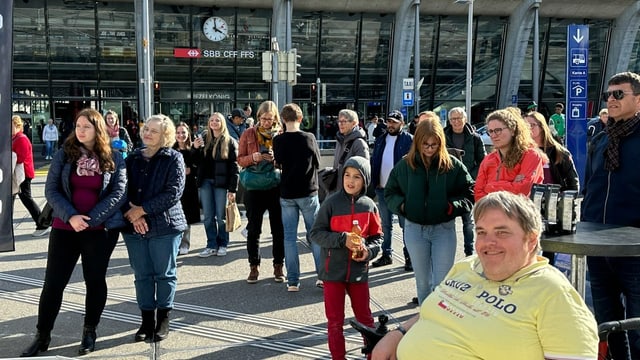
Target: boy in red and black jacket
<point x="341" y="270"/>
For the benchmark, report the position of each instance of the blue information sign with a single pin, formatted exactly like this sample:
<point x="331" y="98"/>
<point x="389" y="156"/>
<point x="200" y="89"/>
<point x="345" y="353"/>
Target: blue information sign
<point x="576" y="88"/>
<point x="407" y="97"/>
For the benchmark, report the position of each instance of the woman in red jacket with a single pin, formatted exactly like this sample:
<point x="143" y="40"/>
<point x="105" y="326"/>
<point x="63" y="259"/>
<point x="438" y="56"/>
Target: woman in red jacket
<point x="21" y="145"/>
<point x="516" y="163"/>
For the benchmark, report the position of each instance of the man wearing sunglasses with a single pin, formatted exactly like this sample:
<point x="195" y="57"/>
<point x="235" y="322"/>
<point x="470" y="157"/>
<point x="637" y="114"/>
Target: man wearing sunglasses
<point x="612" y="196"/>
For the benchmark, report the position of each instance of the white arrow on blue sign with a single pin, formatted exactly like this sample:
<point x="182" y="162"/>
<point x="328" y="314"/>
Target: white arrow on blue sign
<point x="576" y="94"/>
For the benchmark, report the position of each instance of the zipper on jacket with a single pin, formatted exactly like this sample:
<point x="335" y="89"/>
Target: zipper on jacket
<point x="606" y="199"/>
<point x="349" y="260"/>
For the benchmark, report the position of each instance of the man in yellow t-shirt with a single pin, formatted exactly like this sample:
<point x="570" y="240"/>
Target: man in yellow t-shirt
<point x="503" y="303"/>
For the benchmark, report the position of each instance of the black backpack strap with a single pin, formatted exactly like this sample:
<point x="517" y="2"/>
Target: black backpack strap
<point x="347" y="149"/>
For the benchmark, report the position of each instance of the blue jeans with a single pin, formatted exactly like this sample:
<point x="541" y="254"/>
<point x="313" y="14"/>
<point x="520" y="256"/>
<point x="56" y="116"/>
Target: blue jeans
<point x="49" y="146"/>
<point x="153" y="261"/>
<point x="432" y="249"/>
<point x="214" y="202"/>
<point x="615" y="289"/>
<point x="386" y="217"/>
<point x="291" y="209"/>
<point x="468" y="231"/>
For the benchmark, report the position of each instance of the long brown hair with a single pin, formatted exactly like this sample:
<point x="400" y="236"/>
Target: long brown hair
<point x="187" y="142"/>
<point x="426" y="129"/>
<point x="546" y="138"/>
<point x="101" y="148"/>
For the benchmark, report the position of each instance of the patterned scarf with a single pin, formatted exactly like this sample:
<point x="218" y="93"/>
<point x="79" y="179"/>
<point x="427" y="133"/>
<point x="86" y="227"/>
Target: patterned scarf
<point x="265" y="136"/>
<point x="88" y="164"/>
<point x="616" y="130"/>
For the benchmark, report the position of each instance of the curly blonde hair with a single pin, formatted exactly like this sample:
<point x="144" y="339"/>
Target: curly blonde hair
<point x="521" y="141"/>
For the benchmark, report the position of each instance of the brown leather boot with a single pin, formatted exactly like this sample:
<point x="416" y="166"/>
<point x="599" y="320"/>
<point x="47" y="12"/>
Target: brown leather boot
<point x="253" y="275"/>
<point x="277" y="273"/>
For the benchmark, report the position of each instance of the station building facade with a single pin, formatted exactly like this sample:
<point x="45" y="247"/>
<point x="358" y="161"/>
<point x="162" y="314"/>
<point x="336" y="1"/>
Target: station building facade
<point x="70" y="54"/>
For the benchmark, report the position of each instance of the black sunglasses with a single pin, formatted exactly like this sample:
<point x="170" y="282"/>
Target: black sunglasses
<point x="617" y="94"/>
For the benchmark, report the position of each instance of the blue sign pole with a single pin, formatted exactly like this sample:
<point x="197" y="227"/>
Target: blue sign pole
<point x="576" y="90"/>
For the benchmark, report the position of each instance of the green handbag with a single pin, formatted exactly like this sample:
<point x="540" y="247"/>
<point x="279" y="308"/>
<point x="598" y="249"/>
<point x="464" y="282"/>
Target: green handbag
<point x="262" y="176"/>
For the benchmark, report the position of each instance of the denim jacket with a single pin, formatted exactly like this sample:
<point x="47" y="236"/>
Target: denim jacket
<point x="111" y="198"/>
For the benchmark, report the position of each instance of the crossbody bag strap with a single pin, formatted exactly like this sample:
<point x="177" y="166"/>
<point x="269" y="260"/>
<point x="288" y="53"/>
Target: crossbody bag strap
<point x="347" y="148"/>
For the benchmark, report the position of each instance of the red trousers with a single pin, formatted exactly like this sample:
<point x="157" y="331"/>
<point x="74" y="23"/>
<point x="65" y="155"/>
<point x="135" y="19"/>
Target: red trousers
<point x="334" y="301"/>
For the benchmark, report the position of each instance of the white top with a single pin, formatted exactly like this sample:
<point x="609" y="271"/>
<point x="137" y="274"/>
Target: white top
<point x="387" y="159"/>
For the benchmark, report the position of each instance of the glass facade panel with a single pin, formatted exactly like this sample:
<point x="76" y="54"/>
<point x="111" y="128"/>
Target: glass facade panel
<point x="428" y="44"/>
<point x="171" y="30"/>
<point x="451" y="62"/>
<point x="89" y="58"/>
<point x="304" y="37"/>
<point x="72" y="39"/>
<point x="374" y="58"/>
<point x="444" y="62"/>
<point x="634" y="61"/>
<point x="338" y="54"/>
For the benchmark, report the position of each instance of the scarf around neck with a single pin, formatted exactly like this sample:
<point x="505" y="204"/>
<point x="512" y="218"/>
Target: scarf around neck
<point x="265" y="136"/>
<point x="616" y="130"/>
<point x="113" y="131"/>
<point x="88" y="164"/>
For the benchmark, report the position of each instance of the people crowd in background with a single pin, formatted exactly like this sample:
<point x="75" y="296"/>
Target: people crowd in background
<point x="426" y="180"/>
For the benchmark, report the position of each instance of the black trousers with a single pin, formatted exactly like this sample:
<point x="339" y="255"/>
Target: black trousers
<point x="256" y="203"/>
<point x="28" y="202"/>
<point x="65" y="247"/>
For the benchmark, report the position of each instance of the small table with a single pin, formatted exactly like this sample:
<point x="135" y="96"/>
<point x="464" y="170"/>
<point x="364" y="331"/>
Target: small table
<point x="593" y="239"/>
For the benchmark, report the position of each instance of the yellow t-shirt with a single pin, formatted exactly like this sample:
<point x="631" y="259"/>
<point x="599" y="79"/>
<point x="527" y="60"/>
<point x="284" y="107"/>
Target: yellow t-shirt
<point x="536" y="313"/>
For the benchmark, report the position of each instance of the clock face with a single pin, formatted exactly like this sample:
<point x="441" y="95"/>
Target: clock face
<point x="215" y="28"/>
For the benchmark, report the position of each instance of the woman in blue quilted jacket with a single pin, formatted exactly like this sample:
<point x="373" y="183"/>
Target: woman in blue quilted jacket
<point x="156" y="221"/>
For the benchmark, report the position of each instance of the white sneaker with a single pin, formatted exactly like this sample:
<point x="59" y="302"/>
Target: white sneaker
<point x="41" y="232"/>
<point x="222" y="251"/>
<point x="183" y="250"/>
<point x="319" y="284"/>
<point x="293" y="288"/>
<point x="208" y="252"/>
<point x="245" y="233"/>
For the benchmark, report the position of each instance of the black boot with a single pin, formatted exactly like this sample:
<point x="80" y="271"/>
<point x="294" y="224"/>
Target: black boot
<point x="162" y="325"/>
<point x="407" y="260"/>
<point x="40" y="343"/>
<point x="88" y="343"/>
<point x="148" y="326"/>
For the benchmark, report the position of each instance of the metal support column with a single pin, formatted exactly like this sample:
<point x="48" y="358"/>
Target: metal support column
<point x="144" y="50"/>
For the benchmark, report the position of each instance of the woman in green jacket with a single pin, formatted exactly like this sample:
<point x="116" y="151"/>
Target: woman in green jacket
<point x="430" y="189"/>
